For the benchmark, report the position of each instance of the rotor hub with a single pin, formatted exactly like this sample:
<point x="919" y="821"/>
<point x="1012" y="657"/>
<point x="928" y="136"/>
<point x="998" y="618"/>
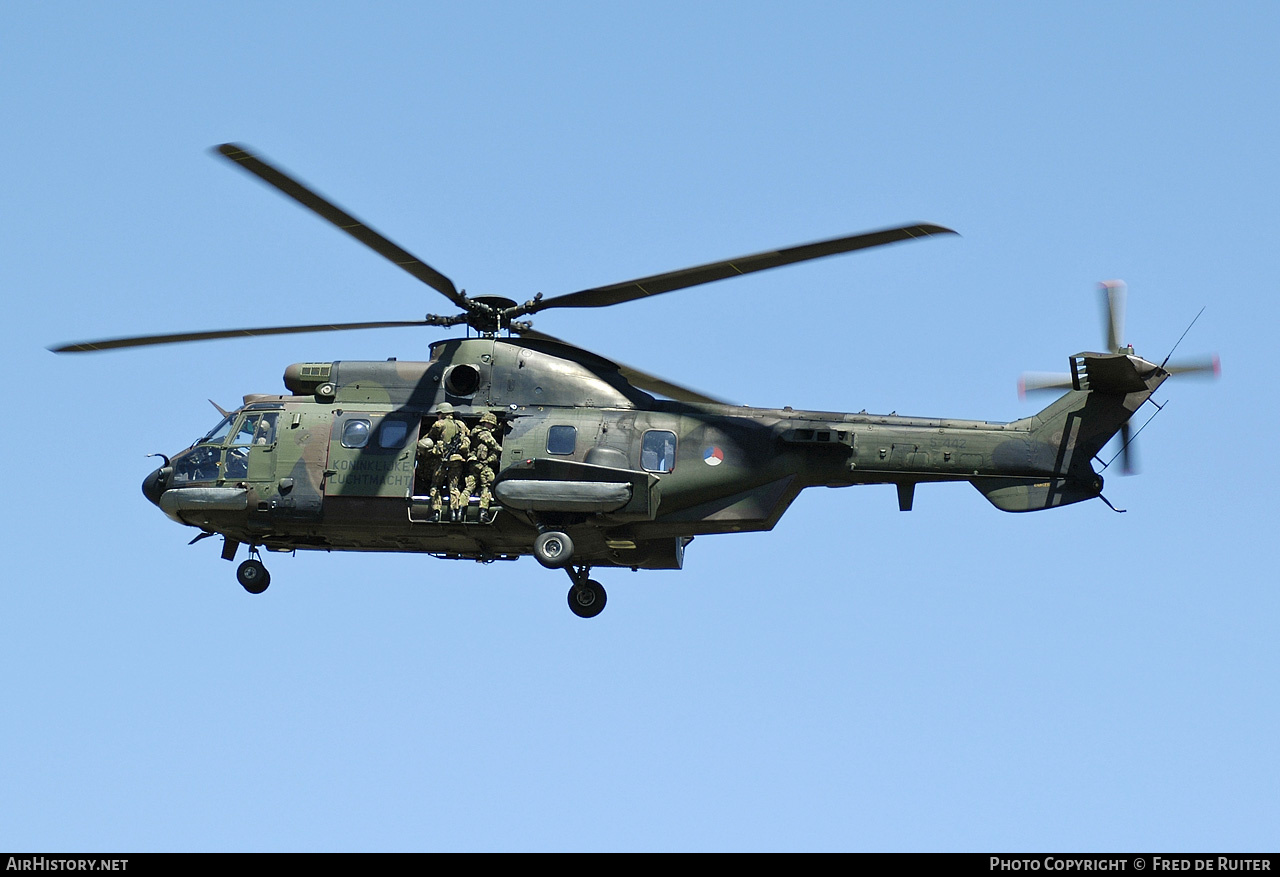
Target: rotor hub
<point x="489" y="312"/>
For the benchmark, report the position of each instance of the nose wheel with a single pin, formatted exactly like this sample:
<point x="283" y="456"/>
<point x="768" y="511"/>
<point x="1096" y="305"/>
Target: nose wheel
<point x="586" y="596"/>
<point x="253" y="576"/>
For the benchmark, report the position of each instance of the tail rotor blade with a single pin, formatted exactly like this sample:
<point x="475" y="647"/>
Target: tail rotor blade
<point x="1034" y="382"/>
<point x="1205" y="365"/>
<point x="1114" y="294"/>
<point x="1128" y="453"/>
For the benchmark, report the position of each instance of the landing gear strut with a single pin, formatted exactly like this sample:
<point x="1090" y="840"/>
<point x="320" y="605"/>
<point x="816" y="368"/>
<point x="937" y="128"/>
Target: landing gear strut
<point x="252" y="575"/>
<point x="586" y="596"/>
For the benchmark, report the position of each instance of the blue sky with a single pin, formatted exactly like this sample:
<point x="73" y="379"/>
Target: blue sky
<point x="955" y="678"/>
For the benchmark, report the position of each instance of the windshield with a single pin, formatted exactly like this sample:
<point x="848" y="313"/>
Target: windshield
<point x="219" y="432"/>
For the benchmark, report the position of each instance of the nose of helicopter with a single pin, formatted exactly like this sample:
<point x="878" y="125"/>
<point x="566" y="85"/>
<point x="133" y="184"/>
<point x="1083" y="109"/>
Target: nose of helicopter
<point x="156" y="483"/>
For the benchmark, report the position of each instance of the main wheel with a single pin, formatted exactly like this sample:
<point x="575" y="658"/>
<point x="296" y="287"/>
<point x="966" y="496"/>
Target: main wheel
<point x="587" y="599"/>
<point x="553" y="549"/>
<point x="253" y="576"/>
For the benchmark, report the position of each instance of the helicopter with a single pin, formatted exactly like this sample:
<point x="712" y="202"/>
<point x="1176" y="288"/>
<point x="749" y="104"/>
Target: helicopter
<point x="594" y="463"/>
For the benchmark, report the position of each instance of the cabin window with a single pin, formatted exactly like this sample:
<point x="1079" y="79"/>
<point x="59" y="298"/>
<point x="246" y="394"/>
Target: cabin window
<point x="658" y="450"/>
<point x="392" y="434"/>
<point x="355" y="434"/>
<point x="561" y="439"/>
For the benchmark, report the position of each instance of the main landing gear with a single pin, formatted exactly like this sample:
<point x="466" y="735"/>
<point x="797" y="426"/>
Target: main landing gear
<point x="586" y="596"/>
<point x="553" y="549"/>
<point x="252" y="575"/>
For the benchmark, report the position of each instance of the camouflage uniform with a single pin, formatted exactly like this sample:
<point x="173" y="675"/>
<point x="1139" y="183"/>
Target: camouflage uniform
<point x="446" y="437"/>
<point x="481" y="467"/>
<point x="427" y="464"/>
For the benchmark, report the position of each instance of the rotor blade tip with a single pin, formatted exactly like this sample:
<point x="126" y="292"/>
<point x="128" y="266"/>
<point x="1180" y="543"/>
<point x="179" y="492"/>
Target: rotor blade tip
<point x="231" y="150"/>
<point x="932" y="228"/>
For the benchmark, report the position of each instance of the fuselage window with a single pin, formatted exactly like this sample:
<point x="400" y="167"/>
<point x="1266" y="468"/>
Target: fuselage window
<point x="658" y="450"/>
<point x="392" y="434"/>
<point x="561" y="439"/>
<point x="355" y="434"/>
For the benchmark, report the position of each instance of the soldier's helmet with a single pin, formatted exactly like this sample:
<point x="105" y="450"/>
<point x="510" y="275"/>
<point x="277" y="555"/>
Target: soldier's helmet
<point x="488" y="419"/>
<point x="444" y="408"/>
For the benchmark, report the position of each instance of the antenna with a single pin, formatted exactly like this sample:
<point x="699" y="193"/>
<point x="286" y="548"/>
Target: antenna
<point x="1179" y="341"/>
<point x="1134" y="437"/>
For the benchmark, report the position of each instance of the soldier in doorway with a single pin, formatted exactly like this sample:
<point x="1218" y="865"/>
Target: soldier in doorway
<point x="445" y="448"/>
<point x="483" y="462"/>
<point x="426" y="469"/>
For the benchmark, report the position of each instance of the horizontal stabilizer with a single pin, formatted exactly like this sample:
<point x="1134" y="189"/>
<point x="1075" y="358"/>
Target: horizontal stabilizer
<point x="1110" y="372"/>
<point x="1034" y="494"/>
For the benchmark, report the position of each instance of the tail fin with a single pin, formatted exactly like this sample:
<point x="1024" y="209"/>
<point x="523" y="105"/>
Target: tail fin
<point x="1065" y="437"/>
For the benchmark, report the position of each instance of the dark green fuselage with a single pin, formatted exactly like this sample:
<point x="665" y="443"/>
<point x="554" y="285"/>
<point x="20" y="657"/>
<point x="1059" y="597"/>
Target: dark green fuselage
<point x="568" y="416"/>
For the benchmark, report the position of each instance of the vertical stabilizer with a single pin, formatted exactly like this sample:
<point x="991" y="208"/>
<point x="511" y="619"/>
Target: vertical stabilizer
<point x="1066" y="436"/>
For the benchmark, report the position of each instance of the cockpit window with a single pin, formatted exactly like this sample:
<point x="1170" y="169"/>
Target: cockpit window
<point x="219" y="432"/>
<point x="244" y="435"/>
<point x="256" y="429"/>
<point x="199" y="464"/>
<point x="265" y="432"/>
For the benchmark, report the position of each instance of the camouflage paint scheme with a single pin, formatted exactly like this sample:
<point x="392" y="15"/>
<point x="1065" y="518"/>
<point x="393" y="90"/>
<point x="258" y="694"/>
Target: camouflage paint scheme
<point x="736" y="469"/>
<point x="593" y="469"/>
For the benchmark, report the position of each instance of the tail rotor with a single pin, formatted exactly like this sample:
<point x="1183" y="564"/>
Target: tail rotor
<point x="1114" y="295"/>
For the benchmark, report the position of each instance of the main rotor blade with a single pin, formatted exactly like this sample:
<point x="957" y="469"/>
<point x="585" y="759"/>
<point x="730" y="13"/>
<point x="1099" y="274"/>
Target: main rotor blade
<point x="656" y="284"/>
<point x="635" y="376"/>
<point x="1114" y="293"/>
<point x="179" y="337"/>
<point x="343" y="220"/>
